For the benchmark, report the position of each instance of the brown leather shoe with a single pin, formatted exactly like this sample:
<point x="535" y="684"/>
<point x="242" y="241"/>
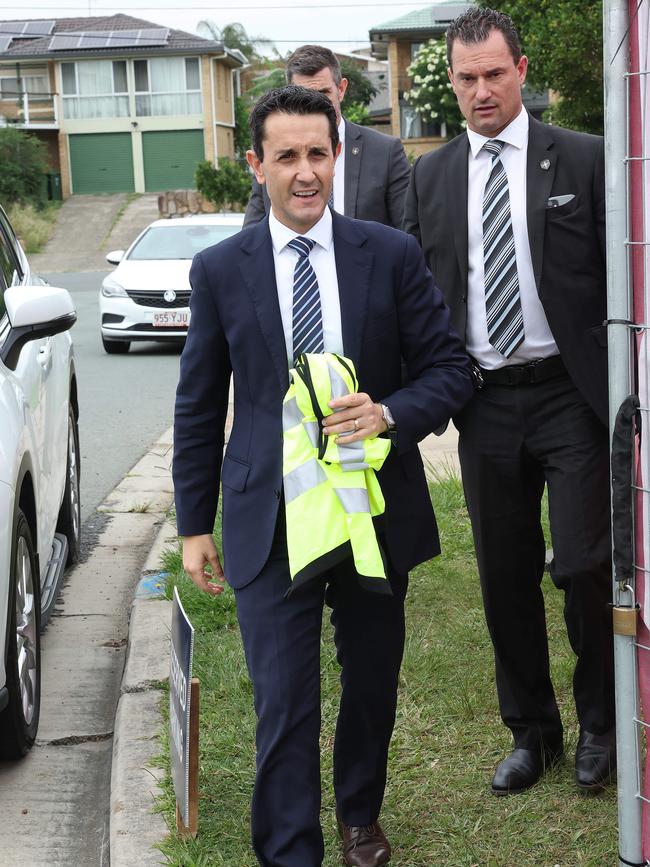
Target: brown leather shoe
<point x="364" y="846"/>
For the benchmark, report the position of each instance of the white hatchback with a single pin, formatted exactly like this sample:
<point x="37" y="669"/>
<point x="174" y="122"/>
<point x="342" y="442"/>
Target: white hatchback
<point x="147" y="296"/>
<point x="39" y="479"/>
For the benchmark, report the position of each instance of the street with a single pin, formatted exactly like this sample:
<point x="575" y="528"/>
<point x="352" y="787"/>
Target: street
<point x="54" y="803"/>
<point x="125" y="401"/>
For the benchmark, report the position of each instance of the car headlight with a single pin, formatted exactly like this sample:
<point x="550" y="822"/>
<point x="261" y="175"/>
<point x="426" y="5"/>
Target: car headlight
<point x="110" y="288"/>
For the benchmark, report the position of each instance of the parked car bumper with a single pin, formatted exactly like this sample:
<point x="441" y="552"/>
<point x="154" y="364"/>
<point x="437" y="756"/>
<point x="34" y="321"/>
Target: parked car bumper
<point x="123" y="319"/>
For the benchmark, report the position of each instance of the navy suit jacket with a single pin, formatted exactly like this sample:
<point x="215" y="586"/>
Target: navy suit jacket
<point x="390" y="310"/>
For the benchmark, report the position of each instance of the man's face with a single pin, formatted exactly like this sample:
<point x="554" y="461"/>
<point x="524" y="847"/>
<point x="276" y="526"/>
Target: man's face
<point x="487" y="83"/>
<point x="297" y="168"/>
<point x="324" y="82"/>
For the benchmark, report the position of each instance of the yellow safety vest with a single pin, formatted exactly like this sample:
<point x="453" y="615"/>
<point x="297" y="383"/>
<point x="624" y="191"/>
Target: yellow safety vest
<point x="331" y="492"/>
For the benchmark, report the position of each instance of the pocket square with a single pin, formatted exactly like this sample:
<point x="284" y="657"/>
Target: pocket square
<point x="558" y="201"/>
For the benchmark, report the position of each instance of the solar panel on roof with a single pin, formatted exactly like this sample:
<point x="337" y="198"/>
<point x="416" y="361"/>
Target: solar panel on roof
<point x="27" y="29"/>
<point x="39" y="28"/>
<point x="5" y="42"/>
<point x="109" y="39"/>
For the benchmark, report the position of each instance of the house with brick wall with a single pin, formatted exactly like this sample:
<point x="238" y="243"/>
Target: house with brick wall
<point x="122" y="104"/>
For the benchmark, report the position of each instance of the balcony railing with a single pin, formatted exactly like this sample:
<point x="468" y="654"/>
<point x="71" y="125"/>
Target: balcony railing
<point x="28" y="110"/>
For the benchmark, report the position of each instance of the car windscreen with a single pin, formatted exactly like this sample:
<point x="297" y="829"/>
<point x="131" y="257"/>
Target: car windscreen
<point x="179" y="241"/>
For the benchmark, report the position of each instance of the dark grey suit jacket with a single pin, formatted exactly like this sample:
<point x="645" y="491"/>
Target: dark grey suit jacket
<point x="567" y="243"/>
<point x="376" y="177"/>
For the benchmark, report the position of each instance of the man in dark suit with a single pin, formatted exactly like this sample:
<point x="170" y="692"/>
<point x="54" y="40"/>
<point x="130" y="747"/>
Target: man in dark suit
<point x="511" y="219"/>
<point x="372" y="171"/>
<point x="376" y="304"/>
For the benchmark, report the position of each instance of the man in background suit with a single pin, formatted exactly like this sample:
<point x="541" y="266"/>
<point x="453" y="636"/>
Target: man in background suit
<point x="376" y="304"/>
<point x="511" y="219"/>
<point x="372" y="172"/>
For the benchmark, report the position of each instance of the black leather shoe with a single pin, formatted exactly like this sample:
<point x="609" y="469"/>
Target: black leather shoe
<point x="364" y="845"/>
<point x="595" y="760"/>
<point x="523" y="768"/>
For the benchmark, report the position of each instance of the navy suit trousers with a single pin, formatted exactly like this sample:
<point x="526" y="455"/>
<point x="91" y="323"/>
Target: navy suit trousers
<point x="281" y="637"/>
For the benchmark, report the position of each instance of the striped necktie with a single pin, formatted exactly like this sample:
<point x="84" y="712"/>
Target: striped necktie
<point x="505" y="323"/>
<point x="307" y="317"/>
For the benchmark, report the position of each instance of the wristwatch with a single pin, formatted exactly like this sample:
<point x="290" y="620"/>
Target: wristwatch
<point x="387" y="416"/>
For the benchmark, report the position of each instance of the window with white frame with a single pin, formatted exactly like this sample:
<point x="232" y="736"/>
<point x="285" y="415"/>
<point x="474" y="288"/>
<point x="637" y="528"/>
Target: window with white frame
<point x="167" y="86"/>
<point x="94" y="88"/>
<point x="37" y="87"/>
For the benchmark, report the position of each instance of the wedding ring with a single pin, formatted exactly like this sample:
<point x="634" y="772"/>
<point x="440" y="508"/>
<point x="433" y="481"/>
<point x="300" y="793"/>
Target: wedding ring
<point x="356" y="424"/>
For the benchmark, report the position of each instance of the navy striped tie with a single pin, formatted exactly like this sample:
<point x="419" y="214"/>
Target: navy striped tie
<point x="505" y="323"/>
<point x="307" y="317"/>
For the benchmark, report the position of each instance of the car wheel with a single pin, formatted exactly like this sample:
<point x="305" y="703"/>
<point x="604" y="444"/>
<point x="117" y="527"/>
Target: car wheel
<point x="19" y="720"/>
<point x="69" y="520"/>
<point x="115" y="347"/>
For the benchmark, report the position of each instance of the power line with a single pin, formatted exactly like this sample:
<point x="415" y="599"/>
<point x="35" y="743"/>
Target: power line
<point x="237" y="7"/>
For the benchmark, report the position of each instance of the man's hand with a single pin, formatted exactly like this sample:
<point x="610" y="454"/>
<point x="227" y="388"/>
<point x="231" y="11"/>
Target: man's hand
<point x="355" y="418"/>
<point x="199" y="552"/>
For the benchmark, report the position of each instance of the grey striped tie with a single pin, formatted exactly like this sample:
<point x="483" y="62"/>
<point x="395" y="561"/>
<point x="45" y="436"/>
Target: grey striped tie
<point x="307" y="318"/>
<point x="505" y="323"/>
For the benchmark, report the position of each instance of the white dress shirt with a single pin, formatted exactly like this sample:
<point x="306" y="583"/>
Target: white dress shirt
<point x="538" y="340"/>
<point x="324" y="264"/>
<point x="339" y="173"/>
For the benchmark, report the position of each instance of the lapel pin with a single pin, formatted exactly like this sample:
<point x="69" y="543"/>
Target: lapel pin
<point x="355" y="150"/>
<point x="545" y="164"/>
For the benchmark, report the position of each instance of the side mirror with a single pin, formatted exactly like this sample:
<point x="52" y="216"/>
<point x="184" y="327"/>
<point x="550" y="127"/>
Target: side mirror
<point x="34" y="312"/>
<point x="115" y="257"/>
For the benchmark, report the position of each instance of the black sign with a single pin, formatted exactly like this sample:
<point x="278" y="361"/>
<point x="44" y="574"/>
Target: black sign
<point x="180" y="680"/>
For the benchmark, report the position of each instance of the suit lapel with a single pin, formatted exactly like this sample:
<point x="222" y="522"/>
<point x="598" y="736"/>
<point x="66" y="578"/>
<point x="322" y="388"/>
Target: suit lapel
<point x="353" y="155"/>
<point x="258" y="272"/>
<point x="457" y="203"/>
<point x="353" y="269"/>
<point x="540" y="173"/>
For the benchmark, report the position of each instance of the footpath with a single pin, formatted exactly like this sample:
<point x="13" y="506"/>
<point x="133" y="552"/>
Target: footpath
<point x="135" y="828"/>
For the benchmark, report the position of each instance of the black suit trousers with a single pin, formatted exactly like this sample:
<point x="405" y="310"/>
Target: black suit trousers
<point x="282" y="637"/>
<point x="513" y="440"/>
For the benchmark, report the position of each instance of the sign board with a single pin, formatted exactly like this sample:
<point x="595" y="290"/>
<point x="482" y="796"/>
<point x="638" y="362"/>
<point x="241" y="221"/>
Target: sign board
<point x="180" y="693"/>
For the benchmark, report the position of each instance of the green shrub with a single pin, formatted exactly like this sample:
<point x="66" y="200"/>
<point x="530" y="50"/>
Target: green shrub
<point x="23" y="160"/>
<point x="229" y="184"/>
<point x="33" y="227"/>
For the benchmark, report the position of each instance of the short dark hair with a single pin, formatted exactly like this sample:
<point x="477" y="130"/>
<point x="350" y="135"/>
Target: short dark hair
<point x="290" y="100"/>
<point x="311" y="59"/>
<point x="475" y="25"/>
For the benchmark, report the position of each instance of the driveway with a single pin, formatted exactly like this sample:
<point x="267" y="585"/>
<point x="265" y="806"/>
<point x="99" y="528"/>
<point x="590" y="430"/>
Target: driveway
<point x="89" y="226"/>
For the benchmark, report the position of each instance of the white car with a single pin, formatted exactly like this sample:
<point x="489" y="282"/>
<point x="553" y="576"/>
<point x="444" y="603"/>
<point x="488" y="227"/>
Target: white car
<point x="39" y="479"/>
<point x="147" y="296"/>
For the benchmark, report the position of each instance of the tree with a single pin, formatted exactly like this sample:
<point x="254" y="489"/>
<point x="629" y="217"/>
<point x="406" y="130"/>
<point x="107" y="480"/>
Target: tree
<point x="230" y="184"/>
<point x="235" y="37"/>
<point x="563" y="41"/>
<point x="360" y="88"/>
<point x="431" y="95"/>
<point x="23" y="160"/>
<point x="265" y="81"/>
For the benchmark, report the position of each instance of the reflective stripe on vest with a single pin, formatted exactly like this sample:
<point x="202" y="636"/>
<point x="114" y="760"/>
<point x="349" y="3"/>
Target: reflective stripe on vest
<point x="331" y="491"/>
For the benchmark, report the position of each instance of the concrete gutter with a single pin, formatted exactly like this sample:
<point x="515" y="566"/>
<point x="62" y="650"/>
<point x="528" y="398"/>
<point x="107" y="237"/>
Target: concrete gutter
<point x="135" y="785"/>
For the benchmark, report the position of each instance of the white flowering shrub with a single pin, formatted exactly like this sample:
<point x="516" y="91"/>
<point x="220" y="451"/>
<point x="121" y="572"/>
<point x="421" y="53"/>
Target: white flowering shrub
<point x="431" y="95"/>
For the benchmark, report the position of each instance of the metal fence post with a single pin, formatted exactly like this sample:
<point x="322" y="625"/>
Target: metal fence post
<point x="616" y="67"/>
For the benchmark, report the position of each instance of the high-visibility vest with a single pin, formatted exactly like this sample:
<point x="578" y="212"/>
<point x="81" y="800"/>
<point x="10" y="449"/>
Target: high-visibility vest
<point x="331" y="492"/>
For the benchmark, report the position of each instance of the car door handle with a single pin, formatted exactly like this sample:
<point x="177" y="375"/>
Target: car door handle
<point x="45" y="355"/>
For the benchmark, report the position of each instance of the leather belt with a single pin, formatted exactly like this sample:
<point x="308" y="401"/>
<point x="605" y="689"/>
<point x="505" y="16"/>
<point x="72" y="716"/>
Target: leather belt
<point x="524" y="374"/>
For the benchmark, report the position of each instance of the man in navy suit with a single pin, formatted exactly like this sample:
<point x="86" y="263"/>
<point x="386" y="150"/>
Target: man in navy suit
<point x="377" y="305"/>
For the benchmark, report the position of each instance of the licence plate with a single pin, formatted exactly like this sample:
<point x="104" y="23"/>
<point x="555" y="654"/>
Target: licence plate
<point x="172" y="319"/>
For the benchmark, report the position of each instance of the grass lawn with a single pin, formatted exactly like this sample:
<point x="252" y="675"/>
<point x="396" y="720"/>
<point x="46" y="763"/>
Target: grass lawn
<point x="438" y="810"/>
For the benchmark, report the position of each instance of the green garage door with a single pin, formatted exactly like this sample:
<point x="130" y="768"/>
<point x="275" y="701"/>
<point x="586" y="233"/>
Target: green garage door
<point x="101" y="163"/>
<point x="170" y="159"/>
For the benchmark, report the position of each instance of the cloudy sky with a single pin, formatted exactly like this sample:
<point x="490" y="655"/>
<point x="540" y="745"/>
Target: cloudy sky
<point x="340" y="24"/>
